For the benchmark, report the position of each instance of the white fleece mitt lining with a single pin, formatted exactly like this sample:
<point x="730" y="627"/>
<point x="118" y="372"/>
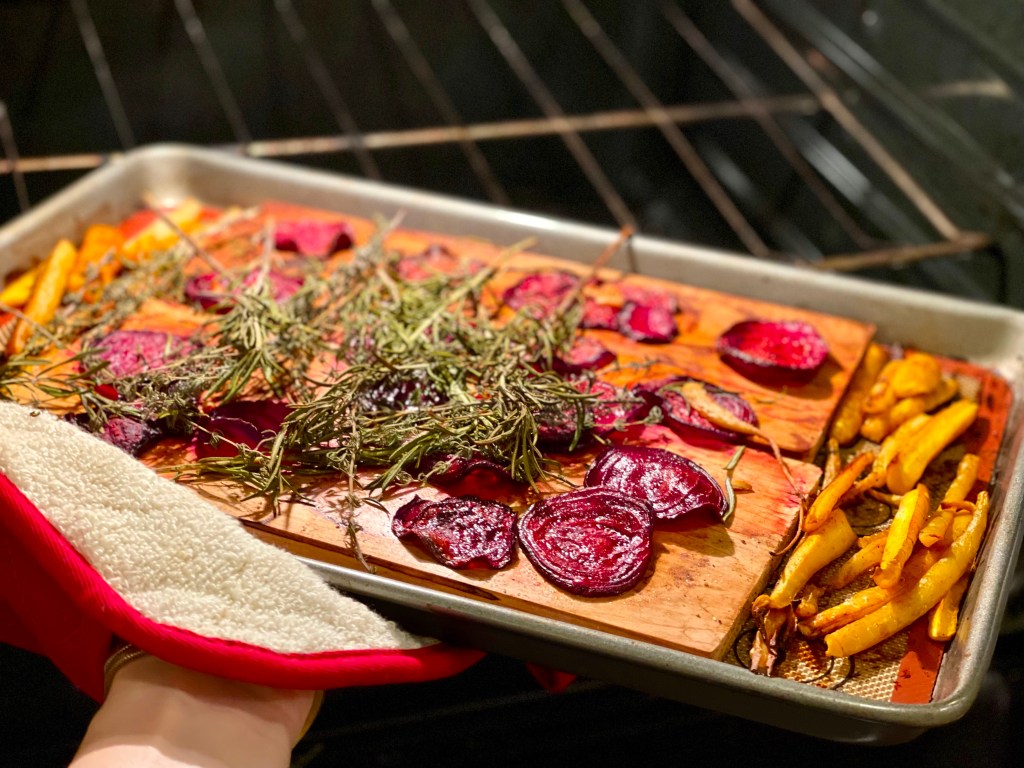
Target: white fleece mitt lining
<point x="172" y="556"/>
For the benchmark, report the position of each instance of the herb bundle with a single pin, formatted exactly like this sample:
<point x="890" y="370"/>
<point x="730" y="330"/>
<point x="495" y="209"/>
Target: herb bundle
<point x="391" y="376"/>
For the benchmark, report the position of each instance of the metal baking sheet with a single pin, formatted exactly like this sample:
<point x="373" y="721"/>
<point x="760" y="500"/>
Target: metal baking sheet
<point x="986" y="335"/>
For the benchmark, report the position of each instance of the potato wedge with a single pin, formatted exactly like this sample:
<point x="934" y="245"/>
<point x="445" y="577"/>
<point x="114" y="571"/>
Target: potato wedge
<point x="903" y="530"/>
<point x="830" y="495"/>
<point x="816" y="550"/>
<point x="941" y="430"/>
<point x="850" y="413"/>
<point x="918" y="374"/>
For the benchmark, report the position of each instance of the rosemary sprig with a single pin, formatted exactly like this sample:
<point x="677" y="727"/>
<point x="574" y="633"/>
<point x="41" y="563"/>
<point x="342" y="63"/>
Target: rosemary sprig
<point x="381" y="373"/>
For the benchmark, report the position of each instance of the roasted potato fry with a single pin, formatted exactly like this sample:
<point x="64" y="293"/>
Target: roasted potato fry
<point x="865" y="601"/>
<point x="903" y="530"/>
<point x="98" y="241"/>
<point x="935" y="527"/>
<point x="917" y="374"/>
<point x="17" y="292"/>
<point x="881" y="396"/>
<point x="864" y="559"/>
<point x="945" y="615"/>
<point x="941" y="430"/>
<point x="966" y="477"/>
<point x="909" y="407"/>
<point x="830" y="495"/>
<point x="816" y="550"/>
<point x="47" y="293"/>
<point x="850" y="413"/>
<point x="910" y="605"/>
<point x="887" y="453"/>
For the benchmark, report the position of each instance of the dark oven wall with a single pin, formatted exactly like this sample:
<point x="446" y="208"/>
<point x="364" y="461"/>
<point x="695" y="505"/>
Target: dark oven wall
<point x="690" y="120"/>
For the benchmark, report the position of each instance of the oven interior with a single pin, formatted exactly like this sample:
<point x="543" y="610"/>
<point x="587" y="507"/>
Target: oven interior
<point x="876" y="138"/>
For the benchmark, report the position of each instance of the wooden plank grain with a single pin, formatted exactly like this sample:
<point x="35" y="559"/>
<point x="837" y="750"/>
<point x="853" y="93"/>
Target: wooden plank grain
<point x="695" y="596"/>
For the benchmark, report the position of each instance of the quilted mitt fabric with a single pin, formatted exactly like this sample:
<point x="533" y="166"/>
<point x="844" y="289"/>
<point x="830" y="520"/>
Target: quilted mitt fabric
<point x="95" y="544"/>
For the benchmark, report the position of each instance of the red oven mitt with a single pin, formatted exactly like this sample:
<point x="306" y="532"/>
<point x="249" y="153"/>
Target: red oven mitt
<point x="94" y="545"/>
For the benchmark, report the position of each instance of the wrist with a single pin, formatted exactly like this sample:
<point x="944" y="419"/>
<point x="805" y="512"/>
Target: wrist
<point x="195" y="719"/>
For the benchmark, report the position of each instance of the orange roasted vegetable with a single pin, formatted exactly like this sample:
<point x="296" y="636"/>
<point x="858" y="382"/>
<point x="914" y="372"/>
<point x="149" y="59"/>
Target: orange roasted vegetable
<point x="850" y="413"/>
<point x="918" y="374"/>
<point x="830" y="495"/>
<point x="99" y="241"/>
<point x="903" y="530"/>
<point x="816" y="550"/>
<point x="941" y="430"/>
<point x="47" y="293"/>
<point x="910" y="605"/>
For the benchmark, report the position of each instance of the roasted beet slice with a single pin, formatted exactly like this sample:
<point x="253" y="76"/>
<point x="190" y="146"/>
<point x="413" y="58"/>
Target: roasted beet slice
<point x="773" y="348"/>
<point x="313" y="237"/>
<point x="615" y="407"/>
<point x="590" y="542"/>
<point x="210" y="290"/>
<point x="681" y="418"/>
<point x="672" y="485"/>
<point x="599" y="316"/>
<point x="252" y="423"/>
<point x="434" y="260"/>
<point x="405" y="514"/>
<point x="130" y="435"/>
<point x="401" y="391"/>
<point x="460" y="532"/>
<point x="542" y="292"/>
<point x="559" y="429"/>
<point x="648" y="323"/>
<point x="649" y="297"/>
<point x="445" y="470"/>
<point x="128" y="353"/>
<point x="586" y="354"/>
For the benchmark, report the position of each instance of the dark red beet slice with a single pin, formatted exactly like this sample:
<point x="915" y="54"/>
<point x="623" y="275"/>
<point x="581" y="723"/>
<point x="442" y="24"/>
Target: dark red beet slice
<point x="313" y="237"/>
<point x="648" y="323"/>
<point x="542" y="292"/>
<point x="265" y="415"/>
<point x="252" y="423"/>
<point x="130" y="435"/>
<point x="456" y="468"/>
<point x="460" y="532"/>
<point x="586" y="354"/>
<point x="406" y="513"/>
<point x="433" y="261"/>
<point x="558" y="429"/>
<point x="599" y="316"/>
<point x="615" y="407"/>
<point x="128" y="353"/>
<point x="209" y="290"/>
<point x="678" y="416"/>
<point x="649" y="297"/>
<point x="787" y="348"/>
<point x="591" y="541"/>
<point x="672" y="485"/>
<point x="400" y="392"/>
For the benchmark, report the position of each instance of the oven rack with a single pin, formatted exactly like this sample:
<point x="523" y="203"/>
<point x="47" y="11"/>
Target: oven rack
<point x="817" y="101"/>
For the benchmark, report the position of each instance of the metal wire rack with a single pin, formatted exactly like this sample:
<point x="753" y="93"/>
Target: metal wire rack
<point x="782" y="118"/>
